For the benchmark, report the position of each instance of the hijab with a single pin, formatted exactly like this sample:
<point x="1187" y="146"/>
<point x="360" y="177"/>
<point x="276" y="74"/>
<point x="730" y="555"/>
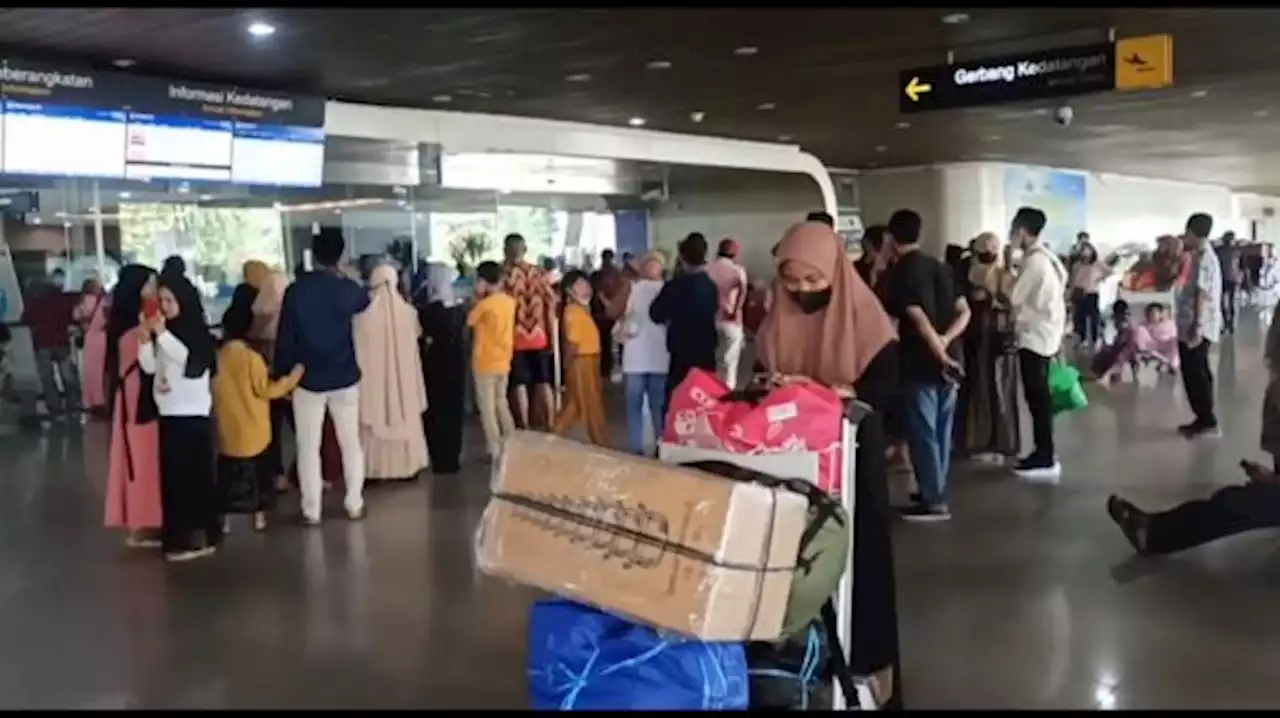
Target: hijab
<point x="255" y="273"/>
<point x="392" y="391"/>
<point x="190" y="327"/>
<point x="833" y="346"/>
<point x="439" y="284"/>
<point x="990" y="276"/>
<point x="174" y="266"/>
<point x="122" y="317"/>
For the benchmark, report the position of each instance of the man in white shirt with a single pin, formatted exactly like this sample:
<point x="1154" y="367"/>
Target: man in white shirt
<point x="1038" y="297"/>
<point x="1198" y="308"/>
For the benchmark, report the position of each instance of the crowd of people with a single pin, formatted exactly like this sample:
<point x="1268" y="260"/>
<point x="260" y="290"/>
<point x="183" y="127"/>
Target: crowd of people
<point x="373" y="376"/>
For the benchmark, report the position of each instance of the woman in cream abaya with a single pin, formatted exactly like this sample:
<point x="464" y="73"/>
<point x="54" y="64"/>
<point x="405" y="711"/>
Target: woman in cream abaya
<point x="393" y="395"/>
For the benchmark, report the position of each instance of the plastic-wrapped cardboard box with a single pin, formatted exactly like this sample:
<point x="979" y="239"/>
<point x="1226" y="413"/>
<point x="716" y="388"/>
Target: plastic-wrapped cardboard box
<point x="671" y="547"/>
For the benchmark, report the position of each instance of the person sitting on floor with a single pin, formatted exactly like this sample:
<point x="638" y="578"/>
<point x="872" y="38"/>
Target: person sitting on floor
<point x="1155" y="341"/>
<point x="1230" y="510"/>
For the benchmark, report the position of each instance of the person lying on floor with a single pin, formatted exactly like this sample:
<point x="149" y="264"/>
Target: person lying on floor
<point x="1229" y="511"/>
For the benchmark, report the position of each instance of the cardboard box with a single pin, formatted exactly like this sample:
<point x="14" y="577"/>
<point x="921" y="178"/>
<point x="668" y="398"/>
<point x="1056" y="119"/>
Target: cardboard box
<point x="671" y="547"/>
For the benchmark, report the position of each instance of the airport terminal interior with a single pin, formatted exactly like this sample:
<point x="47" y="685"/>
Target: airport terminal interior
<point x="426" y="138"/>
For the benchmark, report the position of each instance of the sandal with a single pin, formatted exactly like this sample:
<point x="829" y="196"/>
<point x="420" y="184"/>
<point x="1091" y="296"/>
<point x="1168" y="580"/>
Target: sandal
<point x="1131" y="521"/>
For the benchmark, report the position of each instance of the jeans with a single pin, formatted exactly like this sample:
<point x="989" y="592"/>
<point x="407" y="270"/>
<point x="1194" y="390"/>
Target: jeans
<point x="930" y="415"/>
<point x="1035" y="388"/>
<point x="58" y="361"/>
<point x="308" y="415"/>
<point x="729" y="351"/>
<point x="1197" y="379"/>
<point x="495" y="410"/>
<point x="1229" y="305"/>
<point x="640" y="387"/>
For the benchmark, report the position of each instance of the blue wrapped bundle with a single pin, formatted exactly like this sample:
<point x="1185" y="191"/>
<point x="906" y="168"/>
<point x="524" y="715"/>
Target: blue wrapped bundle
<point x="580" y="658"/>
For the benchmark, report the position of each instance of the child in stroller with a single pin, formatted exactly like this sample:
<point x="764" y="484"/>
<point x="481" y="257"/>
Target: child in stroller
<point x="1154" y="343"/>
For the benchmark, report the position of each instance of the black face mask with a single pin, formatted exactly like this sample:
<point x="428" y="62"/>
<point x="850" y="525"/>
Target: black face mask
<point x="810" y="302"/>
<point x="986" y="257"/>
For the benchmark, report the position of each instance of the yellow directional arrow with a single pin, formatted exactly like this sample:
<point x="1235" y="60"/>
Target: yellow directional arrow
<point x="916" y="88"/>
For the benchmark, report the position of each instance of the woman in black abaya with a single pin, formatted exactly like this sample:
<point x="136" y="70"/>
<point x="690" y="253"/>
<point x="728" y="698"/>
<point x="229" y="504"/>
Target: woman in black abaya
<point x="444" y="366"/>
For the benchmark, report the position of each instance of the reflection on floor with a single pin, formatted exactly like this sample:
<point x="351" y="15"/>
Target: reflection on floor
<point x="1027" y="599"/>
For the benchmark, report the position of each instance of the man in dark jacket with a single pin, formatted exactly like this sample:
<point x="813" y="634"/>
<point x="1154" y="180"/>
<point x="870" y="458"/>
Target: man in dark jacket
<point x="316" y="331"/>
<point x="687" y="305"/>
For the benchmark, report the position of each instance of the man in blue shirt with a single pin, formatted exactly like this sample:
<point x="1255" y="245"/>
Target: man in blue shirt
<point x="316" y="332"/>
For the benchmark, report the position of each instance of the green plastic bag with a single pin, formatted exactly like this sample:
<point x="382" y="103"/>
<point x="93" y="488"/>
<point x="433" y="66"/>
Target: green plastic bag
<point x="1066" y="391"/>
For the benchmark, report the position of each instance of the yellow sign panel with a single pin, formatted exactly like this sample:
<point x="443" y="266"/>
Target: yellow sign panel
<point x="1144" y="63"/>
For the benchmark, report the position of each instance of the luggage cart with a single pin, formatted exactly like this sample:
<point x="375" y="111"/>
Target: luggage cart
<point x="804" y="465"/>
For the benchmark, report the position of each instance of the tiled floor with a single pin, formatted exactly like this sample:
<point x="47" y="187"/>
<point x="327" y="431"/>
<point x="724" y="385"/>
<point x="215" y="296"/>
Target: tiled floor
<point x="1027" y="599"/>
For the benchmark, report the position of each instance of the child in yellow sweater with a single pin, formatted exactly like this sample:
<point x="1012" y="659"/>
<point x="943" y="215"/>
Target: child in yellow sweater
<point x="493" y="319"/>
<point x="242" y="394"/>
<point x="583" y="399"/>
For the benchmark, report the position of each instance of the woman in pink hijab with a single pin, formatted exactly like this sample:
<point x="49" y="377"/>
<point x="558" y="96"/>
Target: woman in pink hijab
<point x="393" y="395"/>
<point x="91" y="316"/>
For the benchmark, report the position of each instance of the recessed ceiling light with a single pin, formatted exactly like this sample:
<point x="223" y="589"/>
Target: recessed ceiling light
<point x="991" y="138"/>
<point x="784" y="138"/>
<point x="1200" y="93"/>
<point x="261" y="29"/>
<point x="578" y="77"/>
<point x="124" y="62"/>
<point x="1260" y="113"/>
<point x="337" y="211"/>
<point x="442" y="98"/>
<point x="659" y="65"/>
<point x="955" y="18"/>
<point x="881" y="148"/>
<point x="903" y="125"/>
<point x="636" y="122"/>
<point x="206" y="197"/>
<point x="746" y="51"/>
<point x="766" y="106"/>
<point x="126" y="195"/>
<point x="697" y="116"/>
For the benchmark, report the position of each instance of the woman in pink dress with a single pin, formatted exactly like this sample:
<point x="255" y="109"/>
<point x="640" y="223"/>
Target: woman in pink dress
<point x="133" y="473"/>
<point x="91" y="316"/>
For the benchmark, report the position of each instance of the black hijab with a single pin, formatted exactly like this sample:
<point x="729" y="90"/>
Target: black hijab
<point x="190" y="327"/>
<point x="126" y="305"/>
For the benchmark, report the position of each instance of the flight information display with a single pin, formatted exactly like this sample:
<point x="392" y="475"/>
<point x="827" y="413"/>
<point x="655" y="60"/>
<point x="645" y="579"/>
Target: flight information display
<point x="277" y="155"/>
<point x="48" y="139"/>
<point x="72" y="121"/>
<point x="190" y="148"/>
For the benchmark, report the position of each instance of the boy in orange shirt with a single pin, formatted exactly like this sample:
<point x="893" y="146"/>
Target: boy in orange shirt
<point x="583" y="399"/>
<point x="493" y="320"/>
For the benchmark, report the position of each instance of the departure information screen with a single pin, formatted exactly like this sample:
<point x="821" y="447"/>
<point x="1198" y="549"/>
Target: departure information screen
<point x="48" y="139"/>
<point x="62" y="120"/>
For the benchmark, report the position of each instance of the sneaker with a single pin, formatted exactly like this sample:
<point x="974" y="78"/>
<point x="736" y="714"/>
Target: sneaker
<point x="1204" y="432"/>
<point x="355" y="514"/>
<point x="1189" y="429"/>
<point x="310" y="522"/>
<point x="1037" y="470"/>
<point x="924" y="513"/>
<point x="180" y="556"/>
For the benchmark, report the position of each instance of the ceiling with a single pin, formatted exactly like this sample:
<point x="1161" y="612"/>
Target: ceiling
<point x="824" y="79"/>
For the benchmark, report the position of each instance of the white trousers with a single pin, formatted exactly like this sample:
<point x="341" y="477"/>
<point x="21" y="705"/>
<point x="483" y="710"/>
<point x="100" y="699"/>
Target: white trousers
<point x="308" y="416"/>
<point x="729" y="351"/>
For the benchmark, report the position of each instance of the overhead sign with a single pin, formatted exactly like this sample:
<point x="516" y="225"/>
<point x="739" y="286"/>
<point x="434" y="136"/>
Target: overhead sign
<point x="67" y="120"/>
<point x="1145" y="62"/>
